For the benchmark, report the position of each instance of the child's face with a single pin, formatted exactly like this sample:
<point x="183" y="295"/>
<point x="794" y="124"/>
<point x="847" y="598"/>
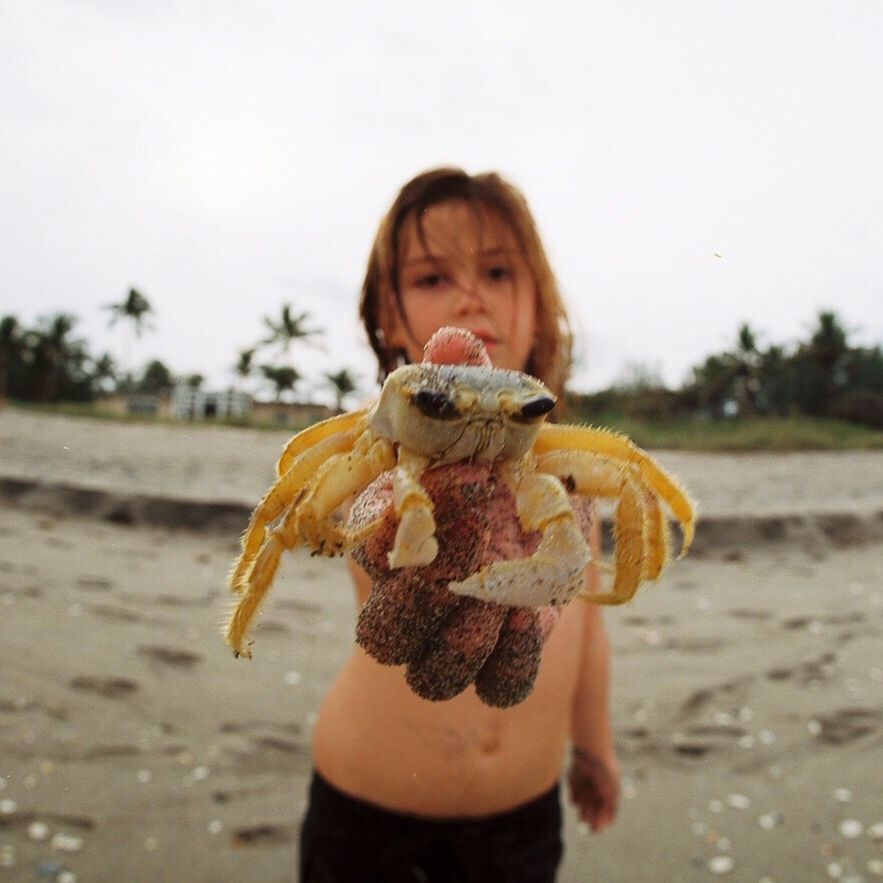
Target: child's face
<point x="470" y="274"/>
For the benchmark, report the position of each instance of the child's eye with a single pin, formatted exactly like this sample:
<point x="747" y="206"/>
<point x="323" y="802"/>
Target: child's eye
<point x="497" y="273"/>
<point x="430" y="280"/>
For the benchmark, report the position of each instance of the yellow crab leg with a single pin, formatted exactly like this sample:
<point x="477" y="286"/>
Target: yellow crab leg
<point x="657" y="537"/>
<point x="342" y="476"/>
<point x="312" y="435"/>
<point x="636" y="543"/>
<point x="606" y="443"/>
<point x="629" y="535"/>
<point x="282" y="495"/>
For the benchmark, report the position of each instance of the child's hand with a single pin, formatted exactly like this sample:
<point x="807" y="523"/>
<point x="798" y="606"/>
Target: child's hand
<point x="594" y="788"/>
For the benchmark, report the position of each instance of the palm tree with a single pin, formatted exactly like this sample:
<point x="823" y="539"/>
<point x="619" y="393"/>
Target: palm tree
<point x="244" y="368"/>
<point x="134" y="308"/>
<point x="745" y="368"/>
<point x="289" y="328"/>
<point x="343" y="383"/>
<point x="820" y="365"/>
<point x="283" y="378"/>
<point x="103" y="368"/>
<point x="56" y="354"/>
<point x="11" y="349"/>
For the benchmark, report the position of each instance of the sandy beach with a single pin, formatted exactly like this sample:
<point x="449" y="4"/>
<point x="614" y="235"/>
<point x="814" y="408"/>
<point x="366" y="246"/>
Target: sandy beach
<point x="748" y="684"/>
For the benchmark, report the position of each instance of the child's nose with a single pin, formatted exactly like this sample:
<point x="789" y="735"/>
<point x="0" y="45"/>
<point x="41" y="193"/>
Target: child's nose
<point x="470" y="296"/>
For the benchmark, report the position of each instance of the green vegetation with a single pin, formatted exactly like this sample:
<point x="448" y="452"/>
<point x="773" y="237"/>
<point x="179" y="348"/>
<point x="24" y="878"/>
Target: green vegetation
<point x="741" y="434"/>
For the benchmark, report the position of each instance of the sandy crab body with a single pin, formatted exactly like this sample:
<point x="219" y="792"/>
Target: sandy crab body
<point x="456" y="412"/>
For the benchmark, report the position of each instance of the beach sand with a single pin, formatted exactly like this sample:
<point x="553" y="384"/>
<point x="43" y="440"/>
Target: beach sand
<point x="748" y="684"/>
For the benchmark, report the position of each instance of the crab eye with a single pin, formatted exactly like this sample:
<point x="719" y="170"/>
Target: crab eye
<point x="535" y="409"/>
<point x="435" y="404"/>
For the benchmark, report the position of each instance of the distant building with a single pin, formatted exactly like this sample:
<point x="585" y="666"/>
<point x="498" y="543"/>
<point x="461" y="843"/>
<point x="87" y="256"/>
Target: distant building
<point x="199" y="404"/>
<point x="186" y="403"/>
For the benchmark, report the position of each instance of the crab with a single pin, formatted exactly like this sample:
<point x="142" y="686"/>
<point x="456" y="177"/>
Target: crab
<point x="409" y="456"/>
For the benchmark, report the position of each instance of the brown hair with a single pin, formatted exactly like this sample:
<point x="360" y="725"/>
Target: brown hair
<point x="550" y="358"/>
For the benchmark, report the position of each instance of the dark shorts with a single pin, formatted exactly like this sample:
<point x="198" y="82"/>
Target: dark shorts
<point x="346" y="840"/>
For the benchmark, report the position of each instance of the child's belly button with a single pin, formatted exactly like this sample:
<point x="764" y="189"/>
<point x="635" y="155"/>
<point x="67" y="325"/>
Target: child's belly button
<point x="489" y="744"/>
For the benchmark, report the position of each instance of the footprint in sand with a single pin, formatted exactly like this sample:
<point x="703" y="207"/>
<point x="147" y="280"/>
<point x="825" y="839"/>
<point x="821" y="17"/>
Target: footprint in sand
<point x="699" y="740"/>
<point x="93" y="584"/>
<point x="750" y="613"/>
<point x="172" y="656"/>
<point x="806" y="672"/>
<point x="109" y="688"/>
<point x="114" y="613"/>
<point x="272" y="627"/>
<point x="847" y="725"/>
<point x="262" y="834"/>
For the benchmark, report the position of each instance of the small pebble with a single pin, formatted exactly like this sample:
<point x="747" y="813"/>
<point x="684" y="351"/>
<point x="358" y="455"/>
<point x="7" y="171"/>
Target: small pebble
<point x="835" y="870"/>
<point x="215" y="826"/>
<point x="151" y="843"/>
<point x="842" y="795"/>
<point x="738" y="801"/>
<point x="49" y="868"/>
<point x="200" y="773"/>
<point x="852" y="828"/>
<point x="721" y="864"/>
<point x="769" y="820"/>
<point x="813" y="727"/>
<point x="8" y="807"/>
<point x="766" y="737"/>
<point x="875" y="832"/>
<point x="747" y="741"/>
<point x="66" y="843"/>
<point x="875" y="867"/>
<point x="66" y="877"/>
<point x="38" y="831"/>
<point x="746" y="714"/>
<point x="143" y="776"/>
<point x="293" y="678"/>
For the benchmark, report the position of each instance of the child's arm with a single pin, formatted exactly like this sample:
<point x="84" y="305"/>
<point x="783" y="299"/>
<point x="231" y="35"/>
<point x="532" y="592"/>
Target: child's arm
<point x="594" y="774"/>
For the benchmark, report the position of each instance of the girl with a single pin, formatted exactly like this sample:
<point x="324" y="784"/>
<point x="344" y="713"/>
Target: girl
<point x="404" y="788"/>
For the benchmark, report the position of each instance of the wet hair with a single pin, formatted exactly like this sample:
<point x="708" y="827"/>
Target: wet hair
<point x="550" y="358"/>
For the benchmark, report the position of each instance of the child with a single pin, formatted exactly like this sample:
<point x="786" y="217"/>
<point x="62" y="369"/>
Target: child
<point x="404" y="788"/>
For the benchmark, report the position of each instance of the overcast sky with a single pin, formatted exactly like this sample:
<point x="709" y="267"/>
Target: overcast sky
<point x="692" y="165"/>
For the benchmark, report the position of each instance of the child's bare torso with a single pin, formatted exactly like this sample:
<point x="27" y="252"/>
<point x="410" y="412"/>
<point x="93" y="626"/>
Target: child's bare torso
<point x="376" y="740"/>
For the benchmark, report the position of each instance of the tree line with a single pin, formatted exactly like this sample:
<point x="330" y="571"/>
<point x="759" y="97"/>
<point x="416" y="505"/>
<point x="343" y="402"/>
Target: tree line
<point x="820" y="376"/>
<point x="823" y="375"/>
<point x="48" y="363"/>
